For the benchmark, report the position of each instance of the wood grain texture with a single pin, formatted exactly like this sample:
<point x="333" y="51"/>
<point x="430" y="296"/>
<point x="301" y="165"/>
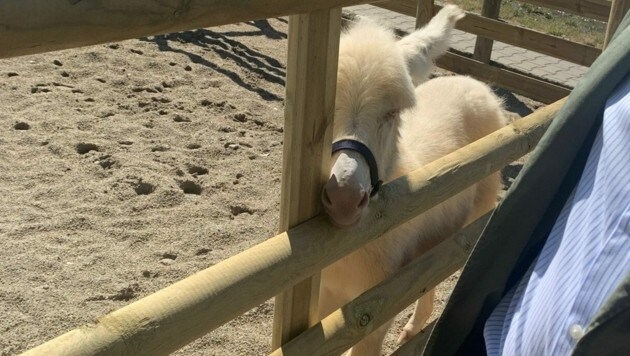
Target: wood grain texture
<point x="529" y="39"/>
<point x="515" y="35"/>
<point x="172" y="317"/>
<point x="424" y="12"/>
<point x="596" y="9"/>
<point x="483" y="46"/>
<point x="618" y="10"/>
<point x="536" y="89"/>
<point x="37" y="26"/>
<point x="313" y="52"/>
<point x="348" y="325"/>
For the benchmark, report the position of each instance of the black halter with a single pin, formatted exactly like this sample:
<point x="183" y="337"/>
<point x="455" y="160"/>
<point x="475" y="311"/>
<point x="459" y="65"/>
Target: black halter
<point x="362" y="149"/>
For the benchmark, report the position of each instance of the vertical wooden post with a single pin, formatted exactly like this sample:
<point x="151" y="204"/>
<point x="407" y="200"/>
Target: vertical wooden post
<point x="424" y="12"/>
<point x="618" y="10"/>
<point x="483" y="46"/>
<point x="309" y="108"/>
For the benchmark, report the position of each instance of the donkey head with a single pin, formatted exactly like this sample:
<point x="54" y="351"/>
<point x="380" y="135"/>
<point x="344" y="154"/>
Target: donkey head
<point x="376" y="78"/>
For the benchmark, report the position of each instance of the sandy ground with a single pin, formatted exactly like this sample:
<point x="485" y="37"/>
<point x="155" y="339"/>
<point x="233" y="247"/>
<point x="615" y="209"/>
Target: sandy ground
<point x="128" y="166"/>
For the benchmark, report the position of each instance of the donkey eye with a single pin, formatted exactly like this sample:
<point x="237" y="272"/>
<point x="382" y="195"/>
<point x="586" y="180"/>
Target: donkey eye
<point x="391" y="115"/>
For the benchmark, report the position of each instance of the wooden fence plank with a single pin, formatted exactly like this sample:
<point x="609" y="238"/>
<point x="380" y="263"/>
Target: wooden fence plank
<point x="346" y="326"/>
<point x="529" y="39"/>
<point x="406" y="7"/>
<point x="515" y="35"/>
<point x="168" y="319"/>
<point x="313" y="53"/>
<point x="483" y="46"/>
<point x="596" y="9"/>
<point x="618" y="10"/>
<point x="536" y="89"/>
<point x="424" y="12"/>
<point x="36" y="26"/>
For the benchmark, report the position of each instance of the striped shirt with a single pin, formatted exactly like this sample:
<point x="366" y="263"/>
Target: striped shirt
<point x="585" y="257"/>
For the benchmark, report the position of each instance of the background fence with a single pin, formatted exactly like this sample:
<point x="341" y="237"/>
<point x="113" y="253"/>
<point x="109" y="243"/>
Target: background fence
<point x="168" y="319"/>
<point x="488" y="28"/>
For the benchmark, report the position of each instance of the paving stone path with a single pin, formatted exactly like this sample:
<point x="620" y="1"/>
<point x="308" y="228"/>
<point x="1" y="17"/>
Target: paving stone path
<point x="514" y="57"/>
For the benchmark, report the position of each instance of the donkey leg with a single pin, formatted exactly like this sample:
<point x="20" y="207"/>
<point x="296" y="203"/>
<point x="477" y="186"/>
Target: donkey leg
<point x="424" y="307"/>
<point x="329" y="301"/>
<point x="372" y="344"/>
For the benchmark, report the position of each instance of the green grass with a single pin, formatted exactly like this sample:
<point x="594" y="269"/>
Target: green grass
<point x="558" y="23"/>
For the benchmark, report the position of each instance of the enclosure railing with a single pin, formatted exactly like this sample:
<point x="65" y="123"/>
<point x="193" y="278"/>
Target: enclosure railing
<point x="172" y="317"/>
<point x="488" y="28"/>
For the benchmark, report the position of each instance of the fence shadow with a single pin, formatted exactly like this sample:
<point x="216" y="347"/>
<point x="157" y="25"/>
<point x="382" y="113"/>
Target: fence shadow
<point x="225" y="46"/>
<point x="512" y="103"/>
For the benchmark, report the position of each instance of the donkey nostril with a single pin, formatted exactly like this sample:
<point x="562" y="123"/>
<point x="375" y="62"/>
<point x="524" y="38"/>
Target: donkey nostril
<point x="364" y="201"/>
<point x="326" y="198"/>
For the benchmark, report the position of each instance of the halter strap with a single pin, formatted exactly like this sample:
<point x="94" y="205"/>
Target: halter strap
<point x="362" y="149"/>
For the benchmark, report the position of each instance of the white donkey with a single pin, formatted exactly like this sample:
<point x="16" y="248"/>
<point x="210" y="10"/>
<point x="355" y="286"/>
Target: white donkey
<point x="386" y="127"/>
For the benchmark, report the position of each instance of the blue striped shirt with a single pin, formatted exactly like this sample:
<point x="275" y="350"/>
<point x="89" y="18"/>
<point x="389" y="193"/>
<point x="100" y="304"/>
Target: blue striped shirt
<point x="585" y="257"/>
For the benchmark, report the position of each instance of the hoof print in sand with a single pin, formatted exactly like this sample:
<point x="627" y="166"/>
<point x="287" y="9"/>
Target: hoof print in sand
<point x="240" y="117"/>
<point x="203" y="251"/>
<point x="125" y="294"/>
<point x="168" y="258"/>
<point x="83" y="148"/>
<point x="236" y="210"/>
<point x="143" y="188"/>
<point x="190" y="187"/>
<point x="21" y="126"/>
<point x="149" y="274"/>
<point x="170" y="255"/>
<point x="197" y="170"/>
<point x="179" y="118"/>
<point x="160" y="149"/>
<point x="39" y="89"/>
<point x="106" y="162"/>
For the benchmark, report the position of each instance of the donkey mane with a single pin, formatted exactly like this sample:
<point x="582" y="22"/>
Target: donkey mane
<point x="371" y="68"/>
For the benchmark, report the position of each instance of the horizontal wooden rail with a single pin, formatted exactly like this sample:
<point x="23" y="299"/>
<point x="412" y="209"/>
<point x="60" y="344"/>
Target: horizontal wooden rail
<point x="346" y="326"/>
<point x="529" y="39"/>
<point x="37" y="26"/>
<point x="536" y="89"/>
<point x="596" y="9"/>
<point x="170" y="318"/>
<point x="515" y="35"/>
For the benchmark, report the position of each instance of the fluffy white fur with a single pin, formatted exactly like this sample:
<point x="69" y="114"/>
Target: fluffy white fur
<point x="405" y="127"/>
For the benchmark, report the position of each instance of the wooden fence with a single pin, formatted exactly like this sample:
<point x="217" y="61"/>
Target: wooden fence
<point x="289" y="263"/>
<point x="488" y="28"/>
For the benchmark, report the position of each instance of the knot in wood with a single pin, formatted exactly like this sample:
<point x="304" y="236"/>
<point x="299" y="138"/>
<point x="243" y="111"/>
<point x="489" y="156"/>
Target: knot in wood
<point x="364" y="320"/>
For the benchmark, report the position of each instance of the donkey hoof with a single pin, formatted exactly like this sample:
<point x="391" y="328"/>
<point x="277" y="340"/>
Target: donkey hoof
<point x="403" y="337"/>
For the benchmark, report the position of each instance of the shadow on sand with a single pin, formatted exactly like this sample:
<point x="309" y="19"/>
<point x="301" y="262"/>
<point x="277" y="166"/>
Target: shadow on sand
<point x="225" y="46"/>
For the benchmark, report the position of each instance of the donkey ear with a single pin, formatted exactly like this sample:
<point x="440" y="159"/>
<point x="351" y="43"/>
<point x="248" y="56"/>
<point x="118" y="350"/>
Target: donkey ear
<point x="422" y="47"/>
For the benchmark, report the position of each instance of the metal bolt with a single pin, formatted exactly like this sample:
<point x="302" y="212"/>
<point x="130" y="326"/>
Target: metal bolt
<point x="364" y="320"/>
